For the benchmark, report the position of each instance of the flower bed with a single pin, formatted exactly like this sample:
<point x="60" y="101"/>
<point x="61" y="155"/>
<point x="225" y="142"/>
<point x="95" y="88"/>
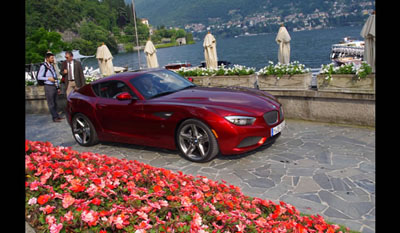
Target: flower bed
<point x="292" y="76"/>
<point x="220" y="71"/>
<point x="346" y="78"/>
<point x="360" y="71"/>
<point x="278" y="70"/>
<point x="68" y="191"/>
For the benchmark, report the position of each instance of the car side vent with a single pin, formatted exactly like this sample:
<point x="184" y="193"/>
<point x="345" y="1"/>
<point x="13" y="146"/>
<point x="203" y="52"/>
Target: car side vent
<point x="271" y="117"/>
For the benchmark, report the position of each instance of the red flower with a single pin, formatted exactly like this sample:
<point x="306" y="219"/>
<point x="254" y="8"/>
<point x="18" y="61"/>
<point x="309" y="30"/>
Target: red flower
<point x="157" y="188"/>
<point x="43" y="199"/>
<point x="123" y="190"/>
<point x="96" y="201"/>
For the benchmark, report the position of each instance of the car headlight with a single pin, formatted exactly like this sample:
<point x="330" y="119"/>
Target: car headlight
<point x="241" y="120"/>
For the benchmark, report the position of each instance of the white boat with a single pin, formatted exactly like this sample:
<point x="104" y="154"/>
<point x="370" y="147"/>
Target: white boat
<point x="348" y="51"/>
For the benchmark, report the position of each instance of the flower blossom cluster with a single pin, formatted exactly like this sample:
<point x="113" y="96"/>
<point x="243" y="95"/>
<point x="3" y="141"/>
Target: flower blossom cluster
<point x="283" y="69"/>
<point x="220" y="71"/>
<point x="68" y="191"/>
<point x="361" y="70"/>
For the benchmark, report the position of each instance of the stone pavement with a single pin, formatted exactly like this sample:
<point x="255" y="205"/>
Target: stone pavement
<point x="319" y="168"/>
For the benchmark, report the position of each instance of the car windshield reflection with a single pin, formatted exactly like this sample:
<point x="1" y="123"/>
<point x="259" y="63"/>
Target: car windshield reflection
<point x="160" y="83"/>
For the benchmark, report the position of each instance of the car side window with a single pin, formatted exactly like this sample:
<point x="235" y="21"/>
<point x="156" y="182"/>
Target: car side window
<point x="111" y="89"/>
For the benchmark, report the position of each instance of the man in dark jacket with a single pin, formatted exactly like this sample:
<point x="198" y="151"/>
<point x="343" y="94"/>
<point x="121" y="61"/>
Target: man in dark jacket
<point x="72" y="73"/>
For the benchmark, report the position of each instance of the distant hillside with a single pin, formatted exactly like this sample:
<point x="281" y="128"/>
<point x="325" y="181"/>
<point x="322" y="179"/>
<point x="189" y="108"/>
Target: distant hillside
<point x="182" y="12"/>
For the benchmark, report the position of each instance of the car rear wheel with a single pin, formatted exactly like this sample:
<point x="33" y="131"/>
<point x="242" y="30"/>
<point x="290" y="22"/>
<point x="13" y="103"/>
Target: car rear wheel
<point x="196" y="141"/>
<point x="83" y="130"/>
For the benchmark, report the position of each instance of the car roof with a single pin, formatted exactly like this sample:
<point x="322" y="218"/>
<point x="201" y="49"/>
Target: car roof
<point x="127" y="75"/>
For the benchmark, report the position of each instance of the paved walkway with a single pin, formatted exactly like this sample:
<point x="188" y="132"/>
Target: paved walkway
<point x="319" y="168"/>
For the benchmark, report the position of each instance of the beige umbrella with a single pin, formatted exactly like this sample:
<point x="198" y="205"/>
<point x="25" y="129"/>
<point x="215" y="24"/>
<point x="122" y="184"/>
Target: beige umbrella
<point x="283" y="39"/>
<point x="210" y="51"/>
<point x="368" y="33"/>
<point x="151" y="56"/>
<point x="105" y="60"/>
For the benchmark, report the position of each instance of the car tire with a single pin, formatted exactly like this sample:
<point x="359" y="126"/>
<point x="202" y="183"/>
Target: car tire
<point x="196" y="142"/>
<point x="83" y="130"/>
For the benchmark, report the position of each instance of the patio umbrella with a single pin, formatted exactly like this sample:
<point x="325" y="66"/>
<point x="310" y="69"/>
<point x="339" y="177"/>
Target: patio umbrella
<point x="368" y="33"/>
<point x="210" y="51"/>
<point x="283" y="39"/>
<point x="105" y="60"/>
<point x="151" y="56"/>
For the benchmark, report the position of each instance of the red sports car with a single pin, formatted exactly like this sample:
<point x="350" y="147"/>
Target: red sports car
<point x="159" y="108"/>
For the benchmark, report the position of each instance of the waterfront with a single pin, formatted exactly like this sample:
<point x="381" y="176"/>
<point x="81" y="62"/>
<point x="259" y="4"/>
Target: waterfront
<point x="311" y="48"/>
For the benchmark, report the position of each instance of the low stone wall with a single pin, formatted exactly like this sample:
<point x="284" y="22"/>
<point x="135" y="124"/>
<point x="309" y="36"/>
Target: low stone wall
<point x="332" y="107"/>
<point x="36" y="103"/>
<point x="323" y="106"/>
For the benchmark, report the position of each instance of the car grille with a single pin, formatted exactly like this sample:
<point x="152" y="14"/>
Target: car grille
<point x="271" y="117"/>
<point x="249" y="141"/>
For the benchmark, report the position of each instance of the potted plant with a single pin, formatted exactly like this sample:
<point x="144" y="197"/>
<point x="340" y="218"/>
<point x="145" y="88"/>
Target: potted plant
<point x="292" y="76"/>
<point x="346" y="78"/>
<point x="222" y="76"/>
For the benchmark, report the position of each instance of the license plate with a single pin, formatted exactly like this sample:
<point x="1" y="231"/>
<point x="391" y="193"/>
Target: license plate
<point x="277" y="128"/>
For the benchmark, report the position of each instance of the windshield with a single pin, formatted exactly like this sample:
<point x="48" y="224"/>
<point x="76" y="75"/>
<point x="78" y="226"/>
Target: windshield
<point x="157" y="83"/>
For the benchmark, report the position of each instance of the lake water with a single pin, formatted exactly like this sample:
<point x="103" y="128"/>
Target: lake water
<point x="311" y="48"/>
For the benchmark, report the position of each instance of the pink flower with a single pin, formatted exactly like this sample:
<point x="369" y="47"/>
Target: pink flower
<point x="32" y="201"/>
<point x="48" y="209"/>
<point x="69" y="216"/>
<point x="34" y="185"/>
<point x="56" y="228"/>
<point x="240" y="227"/>
<point x="68" y="200"/>
<point x="90" y="217"/>
<point x="45" y="177"/>
<point x="155" y="205"/>
<point x="142" y="215"/>
<point x="50" y="219"/>
<point x="163" y="203"/>
<point x="119" y="221"/>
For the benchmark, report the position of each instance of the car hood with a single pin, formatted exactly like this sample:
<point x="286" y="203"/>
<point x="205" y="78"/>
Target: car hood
<point x="226" y="101"/>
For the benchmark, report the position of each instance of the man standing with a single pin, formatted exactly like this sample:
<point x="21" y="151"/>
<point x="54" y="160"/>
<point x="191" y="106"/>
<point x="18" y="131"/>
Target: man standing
<point x="72" y="73"/>
<point x="48" y="74"/>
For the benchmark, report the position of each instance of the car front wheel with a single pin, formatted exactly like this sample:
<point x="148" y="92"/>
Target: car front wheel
<point x="196" y="142"/>
<point x="83" y="130"/>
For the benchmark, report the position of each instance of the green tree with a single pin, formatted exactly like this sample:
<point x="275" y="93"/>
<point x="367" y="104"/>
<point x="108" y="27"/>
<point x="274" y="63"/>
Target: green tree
<point x="37" y="44"/>
<point x="96" y="34"/>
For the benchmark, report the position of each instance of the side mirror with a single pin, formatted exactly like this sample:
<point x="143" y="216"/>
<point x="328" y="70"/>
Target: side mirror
<point x="124" y="96"/>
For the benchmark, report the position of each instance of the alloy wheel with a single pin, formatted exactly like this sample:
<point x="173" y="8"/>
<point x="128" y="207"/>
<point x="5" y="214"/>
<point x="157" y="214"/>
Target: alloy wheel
<point x="194" y="142"/>
<point x="81" y="130"/>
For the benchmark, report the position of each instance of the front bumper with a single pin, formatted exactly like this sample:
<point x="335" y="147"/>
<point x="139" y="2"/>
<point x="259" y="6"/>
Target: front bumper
<point x="240" y="139"/>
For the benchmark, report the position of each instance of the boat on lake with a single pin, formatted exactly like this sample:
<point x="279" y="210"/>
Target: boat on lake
<point x="348" y="51"/>
<point x="177" y="65"/>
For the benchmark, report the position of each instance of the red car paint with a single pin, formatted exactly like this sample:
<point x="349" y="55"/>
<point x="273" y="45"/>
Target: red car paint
<point x="141" y="121"/>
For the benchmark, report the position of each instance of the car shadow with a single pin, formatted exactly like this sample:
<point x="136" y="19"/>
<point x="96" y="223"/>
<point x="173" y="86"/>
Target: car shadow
<point x="246" y="154"/>
<point x="140" y="147"/>
<point x="163" y="151"/>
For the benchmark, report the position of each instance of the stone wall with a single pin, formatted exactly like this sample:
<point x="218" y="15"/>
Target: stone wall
<point x="36" y="103"/>
<point x="332" y="107"/>
<point x="323" y="106"/>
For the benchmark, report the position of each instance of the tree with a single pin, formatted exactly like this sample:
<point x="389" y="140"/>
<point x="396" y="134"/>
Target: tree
<point x="39" y="43"/>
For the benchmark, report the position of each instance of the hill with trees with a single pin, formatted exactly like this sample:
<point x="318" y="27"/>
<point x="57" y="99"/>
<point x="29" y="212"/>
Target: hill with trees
<point x="58" y="25"/>
<point x="254" y="16"/>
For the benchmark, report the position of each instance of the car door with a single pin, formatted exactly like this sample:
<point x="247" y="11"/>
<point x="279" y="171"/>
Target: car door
<point x="122" y="119"/>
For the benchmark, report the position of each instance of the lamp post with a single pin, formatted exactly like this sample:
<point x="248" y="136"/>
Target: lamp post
<point x="137" y="40"/>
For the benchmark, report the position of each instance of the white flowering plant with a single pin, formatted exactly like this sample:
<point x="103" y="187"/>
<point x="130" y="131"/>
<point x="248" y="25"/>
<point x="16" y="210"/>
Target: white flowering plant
<point x="283" y="69"/>
<point x="89" y="79"/>
<point x="220" y="71"/>
<point x="361" y="70"/>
